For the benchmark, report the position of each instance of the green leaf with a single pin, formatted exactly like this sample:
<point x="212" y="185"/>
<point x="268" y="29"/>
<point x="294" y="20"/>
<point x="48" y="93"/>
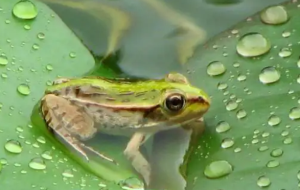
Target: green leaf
<point x="260" y="117"/>
<point x="35" y="49"/>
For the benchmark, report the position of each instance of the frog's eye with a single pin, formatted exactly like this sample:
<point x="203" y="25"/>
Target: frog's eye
<point x="175" y="102"/>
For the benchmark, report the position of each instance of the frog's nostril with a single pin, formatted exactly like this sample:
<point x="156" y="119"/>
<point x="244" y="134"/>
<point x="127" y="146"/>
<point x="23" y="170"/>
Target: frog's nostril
<point x="201" y="100"/>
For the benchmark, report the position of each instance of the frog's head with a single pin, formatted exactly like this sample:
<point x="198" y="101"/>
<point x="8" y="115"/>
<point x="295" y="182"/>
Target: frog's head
<point x="179" y="102"/>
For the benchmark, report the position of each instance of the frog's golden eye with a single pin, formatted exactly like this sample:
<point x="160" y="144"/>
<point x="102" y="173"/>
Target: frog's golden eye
<point x="174" y="102"/>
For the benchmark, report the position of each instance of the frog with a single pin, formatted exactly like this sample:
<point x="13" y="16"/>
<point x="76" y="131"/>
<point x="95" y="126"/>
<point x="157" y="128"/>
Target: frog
<point x="76" y="109"/>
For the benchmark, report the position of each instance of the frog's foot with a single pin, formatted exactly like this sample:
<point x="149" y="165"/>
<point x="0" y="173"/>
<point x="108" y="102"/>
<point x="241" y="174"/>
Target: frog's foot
<point x="138" y="161"/>
<point x="68" y="121"/>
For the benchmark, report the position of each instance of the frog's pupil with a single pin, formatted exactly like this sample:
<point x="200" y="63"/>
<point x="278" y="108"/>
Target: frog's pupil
<point x="175" y="102"/>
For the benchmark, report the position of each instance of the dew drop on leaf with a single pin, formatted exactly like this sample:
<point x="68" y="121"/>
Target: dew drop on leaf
<point x="263" y="181"/>
<point x="25" y="9"/>
<point x="47" y="155"/>
<point x="49" y="67"/>
<point x="222" y="86"/>
<point x="223" y="127"/>
<point x="253" y="44"/>
<point x="13" y="146"/>
<point x="41" y="36"/>
<point x="3" y="60"/>
<point x="217" y="169"/>
<point x="72" y="55"/>
<point x="27" y="27"/>
<point x="277" y="152"/>
<point x="241" y="114"/>
<point x="68" y="173"/>
<point x="286" y="34"/>
<point x="23" y="89"/>
<point x="274" y="120"/>
<point x="41" y="139"/>
<point x="236" y="150"/>
<point x="269" y="75"/>
<point x="294" y="113"/>
<point x="263" y="148"/>
<point x="227" y="143"/>
<point x="215" y="68"/>
<point x="37" y="164"/>
<point x="285" y="52"/>
<point x="231" y="105"/>
<point x="3" y="161"/>
<point x="288" y="140"/>
<point x="272" y="164"/>
<point x="274" y="15"/>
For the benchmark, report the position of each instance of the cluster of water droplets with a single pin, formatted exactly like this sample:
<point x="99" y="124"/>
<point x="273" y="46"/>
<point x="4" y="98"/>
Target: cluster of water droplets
<point x="253" y="46"/>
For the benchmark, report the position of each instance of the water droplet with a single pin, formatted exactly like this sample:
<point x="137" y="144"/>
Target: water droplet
<point x="47" y="155"/>
<point x="274" y="15"/>
<point x="241" y="114"/>
<point x="227" y="143"/>
<point x="253" y="44"/>
<point x="269" y="75"/>
<point x="241" y="77"/>
<point x="217" y="169"/>
<point x="35" y="46"/>
<point x="25" y="9"/>
<point x="231" y="105"/>
<point x="272" y="164"/>
<point x="215" y="68"/>
<point x="274" y="120"/>
<point x="41" y="36"/>
<point x="41" y="139"/>
<point x="27" y="27"/>
<point x="277" y="152"/>
<point x="263" y="148"/>
<point x="222" y="86"/>
<point x="3" y="60"/>
<point x="284" y="133"/>
<point x="68" y="173"/>
<point x="72" y="55"/>
<point x="37" y="164"/>
<point x="288" y="140"/>
<point x="285" y="52"/>
<point x="286" y="34"/>
<point x="23" y="89"/>
<point x="3" y="161"/>
<point x="223" y="127"/>
<point x="263" y="181"/>
<point x="49" y="67"/>
<point x="294" y="113"/>
<point x="236" y="150"/>
<point x="4" y="75"/>
<point x="13" y="146"/>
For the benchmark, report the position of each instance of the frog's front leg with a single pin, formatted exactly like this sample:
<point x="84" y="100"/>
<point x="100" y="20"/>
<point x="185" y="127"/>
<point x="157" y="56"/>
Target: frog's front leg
<point x="133" y="154"/>
<point x="69" y="122"/>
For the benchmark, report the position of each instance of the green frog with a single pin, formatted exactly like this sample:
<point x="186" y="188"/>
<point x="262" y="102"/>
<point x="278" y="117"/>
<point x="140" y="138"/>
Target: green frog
<point x="78" y="108"/>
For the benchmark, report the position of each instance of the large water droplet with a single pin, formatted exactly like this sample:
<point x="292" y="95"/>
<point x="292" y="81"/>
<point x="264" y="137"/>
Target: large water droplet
<point x="274" y="120"/>
<point x="241" y="114"/>
<point x="217" y="169"/>
<point x="47" y="155"/>
<point x="3" y="60"/>
<point x="25" y="10"/>
<point x="222" y="86"/>
<point x="223" y="127"/>
<point x="68" y="173"/>
<point x="274" y="15"/>
<point x="269" y="75"/>
<point x="215" y="68"/>
<point x="294" y="113"/>
<point x="227" y="143"/>
<point x="288" y="140"/>
<point x="277" y="152"/>
<point x="37" y="164"/>
<point x="13" y="146"/>
<point x="231" y="105"/>
<point x="263" y="181"/>
<point x="253" y="44"/>
<point x="272" y="164"/>
<point x="285" y="52"/>
<point x="23" y="89"/>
